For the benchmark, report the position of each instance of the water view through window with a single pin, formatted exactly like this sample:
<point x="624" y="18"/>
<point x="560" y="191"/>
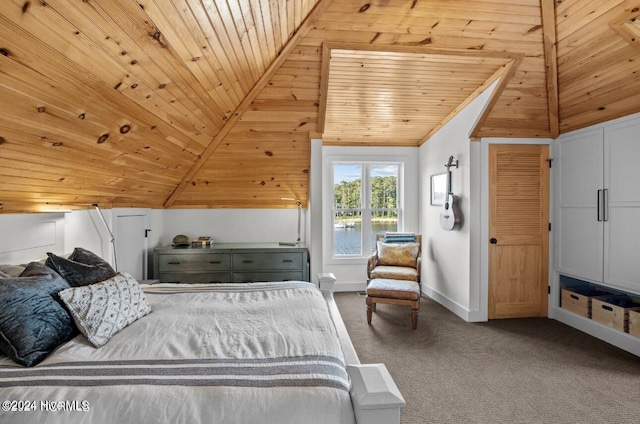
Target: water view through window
<point x="347" y="239"/>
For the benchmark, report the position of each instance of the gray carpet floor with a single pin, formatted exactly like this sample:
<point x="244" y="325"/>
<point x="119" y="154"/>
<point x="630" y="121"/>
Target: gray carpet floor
<point x="533" y="370"/>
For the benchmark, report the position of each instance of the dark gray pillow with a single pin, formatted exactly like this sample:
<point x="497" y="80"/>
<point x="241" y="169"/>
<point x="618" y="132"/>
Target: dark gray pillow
<point x="81" y="268"/>
<point x="86" y="257"/>
<point x="32" y="321"/>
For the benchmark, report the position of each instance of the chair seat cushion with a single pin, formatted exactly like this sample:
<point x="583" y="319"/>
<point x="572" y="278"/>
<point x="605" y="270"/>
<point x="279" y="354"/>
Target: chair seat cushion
<point x="394" y="273"/>
<point x="393" y="289"/>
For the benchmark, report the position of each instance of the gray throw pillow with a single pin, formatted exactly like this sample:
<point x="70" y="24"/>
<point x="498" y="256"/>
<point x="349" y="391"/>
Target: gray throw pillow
<point x="81" y="268"/>
<point x="103" y="309"/>
<point x="32" y="321"/>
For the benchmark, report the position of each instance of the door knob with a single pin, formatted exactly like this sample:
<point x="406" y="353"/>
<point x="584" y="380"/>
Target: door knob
<point x="493" y="240"/>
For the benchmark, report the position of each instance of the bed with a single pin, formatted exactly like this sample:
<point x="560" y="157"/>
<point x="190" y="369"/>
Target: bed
<point x="273" y="352"/>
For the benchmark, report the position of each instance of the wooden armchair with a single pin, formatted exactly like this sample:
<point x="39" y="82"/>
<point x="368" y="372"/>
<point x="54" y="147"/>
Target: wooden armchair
<point x="393" y="273"/>
<point x="402" y="270"/>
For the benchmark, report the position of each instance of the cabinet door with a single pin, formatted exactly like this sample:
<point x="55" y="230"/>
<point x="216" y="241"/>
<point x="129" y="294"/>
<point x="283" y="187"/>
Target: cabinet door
<point x="622" y="229"/>
<point x="579" y="176"/>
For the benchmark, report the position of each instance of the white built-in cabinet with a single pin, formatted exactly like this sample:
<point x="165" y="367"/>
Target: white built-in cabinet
<point x="598" y="201"/>
<point x="597" y="211"/>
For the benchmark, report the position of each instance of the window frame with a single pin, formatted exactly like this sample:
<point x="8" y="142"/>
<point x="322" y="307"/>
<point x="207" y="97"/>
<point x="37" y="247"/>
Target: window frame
<point x="365" y="206"/>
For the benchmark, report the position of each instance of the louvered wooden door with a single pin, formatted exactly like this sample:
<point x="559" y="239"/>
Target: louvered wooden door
<point x="518" y="230"/>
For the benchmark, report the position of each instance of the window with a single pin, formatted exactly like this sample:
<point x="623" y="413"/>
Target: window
<point x="365" y="202"/>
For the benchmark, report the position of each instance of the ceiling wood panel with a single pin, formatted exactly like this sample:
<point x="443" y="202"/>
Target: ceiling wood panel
<point x="378" y="95"/>
<point x="200" y="103"/>
<point x="489" y="27"/>
<point x="597" y="67"/>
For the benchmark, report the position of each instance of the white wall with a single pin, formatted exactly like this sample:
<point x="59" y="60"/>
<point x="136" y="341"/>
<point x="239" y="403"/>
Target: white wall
<point x="232" y="225"/>
<point x="448" y="256"/>
<point x="455" y="264"/>
<point x="315" y="210"/>
<point x="28" y="237"/>
<point x="25" y="237"/>
<point x="85" y="228"/>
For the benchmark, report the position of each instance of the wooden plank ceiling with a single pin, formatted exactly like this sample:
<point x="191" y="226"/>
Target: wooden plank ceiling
<point x="211" y="104"/>
<point x="417" y="91"/>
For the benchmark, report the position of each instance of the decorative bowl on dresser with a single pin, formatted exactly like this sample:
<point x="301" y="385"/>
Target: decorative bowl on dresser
<point x="231" y="263"/>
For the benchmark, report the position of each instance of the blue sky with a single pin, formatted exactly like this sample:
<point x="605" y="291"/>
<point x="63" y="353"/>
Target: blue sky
<point x="350" y="172"/>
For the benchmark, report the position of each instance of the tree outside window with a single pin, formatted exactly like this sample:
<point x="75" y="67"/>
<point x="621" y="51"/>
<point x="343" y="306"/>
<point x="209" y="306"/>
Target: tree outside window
<point x="365" y="202"/>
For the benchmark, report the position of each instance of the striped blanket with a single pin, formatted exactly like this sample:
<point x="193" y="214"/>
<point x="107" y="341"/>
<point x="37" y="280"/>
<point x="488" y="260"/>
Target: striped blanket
<point x="270" y="372"/>
<point x="223" y="353"/>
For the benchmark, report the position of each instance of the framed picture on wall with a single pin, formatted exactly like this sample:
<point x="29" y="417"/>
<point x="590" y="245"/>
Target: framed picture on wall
<point x="438" y="188"/>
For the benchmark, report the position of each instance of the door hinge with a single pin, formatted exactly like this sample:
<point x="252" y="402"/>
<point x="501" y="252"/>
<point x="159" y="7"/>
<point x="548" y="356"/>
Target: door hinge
<point x="550" y="160"/>
<point x="146" y="232"/>
<point x="548" y="289"/>
<point x="549" y="226"/>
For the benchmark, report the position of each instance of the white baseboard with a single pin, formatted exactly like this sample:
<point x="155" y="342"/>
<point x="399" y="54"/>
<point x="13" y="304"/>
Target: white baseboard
<point x="453" y="306"/>
<point x="456" y="308"/>
<point x="617" y="338"/>
<point x="350" y="287"/>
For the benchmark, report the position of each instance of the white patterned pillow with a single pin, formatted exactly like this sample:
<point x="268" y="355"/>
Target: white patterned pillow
<point x="102" y="309"/>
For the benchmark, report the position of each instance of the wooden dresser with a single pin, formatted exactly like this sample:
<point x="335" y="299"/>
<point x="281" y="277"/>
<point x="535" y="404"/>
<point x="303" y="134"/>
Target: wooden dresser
<point x="231" y="263"/>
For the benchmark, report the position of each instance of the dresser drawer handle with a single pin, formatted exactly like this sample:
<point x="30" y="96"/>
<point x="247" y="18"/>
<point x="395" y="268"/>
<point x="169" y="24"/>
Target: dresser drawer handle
<point x="287" y="260"/>
<point x="215" y="262"/>
<point x="607" y="307"/>
<point x="173" y="263"/>
<point x="247" y="262"/>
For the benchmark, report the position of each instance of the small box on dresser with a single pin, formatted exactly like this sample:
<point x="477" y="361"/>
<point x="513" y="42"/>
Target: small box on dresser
<point x="613" y="311"/>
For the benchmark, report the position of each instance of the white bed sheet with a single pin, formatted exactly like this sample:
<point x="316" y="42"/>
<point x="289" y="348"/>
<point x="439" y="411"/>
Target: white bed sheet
<point x="217" y="354"/>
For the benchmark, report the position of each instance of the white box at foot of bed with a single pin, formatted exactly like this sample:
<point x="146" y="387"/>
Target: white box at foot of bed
<point x="226" y="353"/>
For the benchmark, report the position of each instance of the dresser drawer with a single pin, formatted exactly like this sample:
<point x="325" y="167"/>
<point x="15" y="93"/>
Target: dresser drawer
<point x="195" y="277"/>
<point x="210" y="262"/>
<point x="255" y="277"/>
<point x="267" y="261"/>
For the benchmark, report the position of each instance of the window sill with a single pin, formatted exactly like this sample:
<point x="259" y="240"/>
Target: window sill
<point x="359" y="260"/>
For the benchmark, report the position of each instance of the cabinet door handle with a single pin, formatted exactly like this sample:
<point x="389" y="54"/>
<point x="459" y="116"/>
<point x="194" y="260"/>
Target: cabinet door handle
<point x="215" y="262"/>
<point x="247" y="262"/>
<point x="605" y="204"/>
<point x="600" y="193"/>
<point x="287" y="260"/>
<point x="173" y="263"/>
